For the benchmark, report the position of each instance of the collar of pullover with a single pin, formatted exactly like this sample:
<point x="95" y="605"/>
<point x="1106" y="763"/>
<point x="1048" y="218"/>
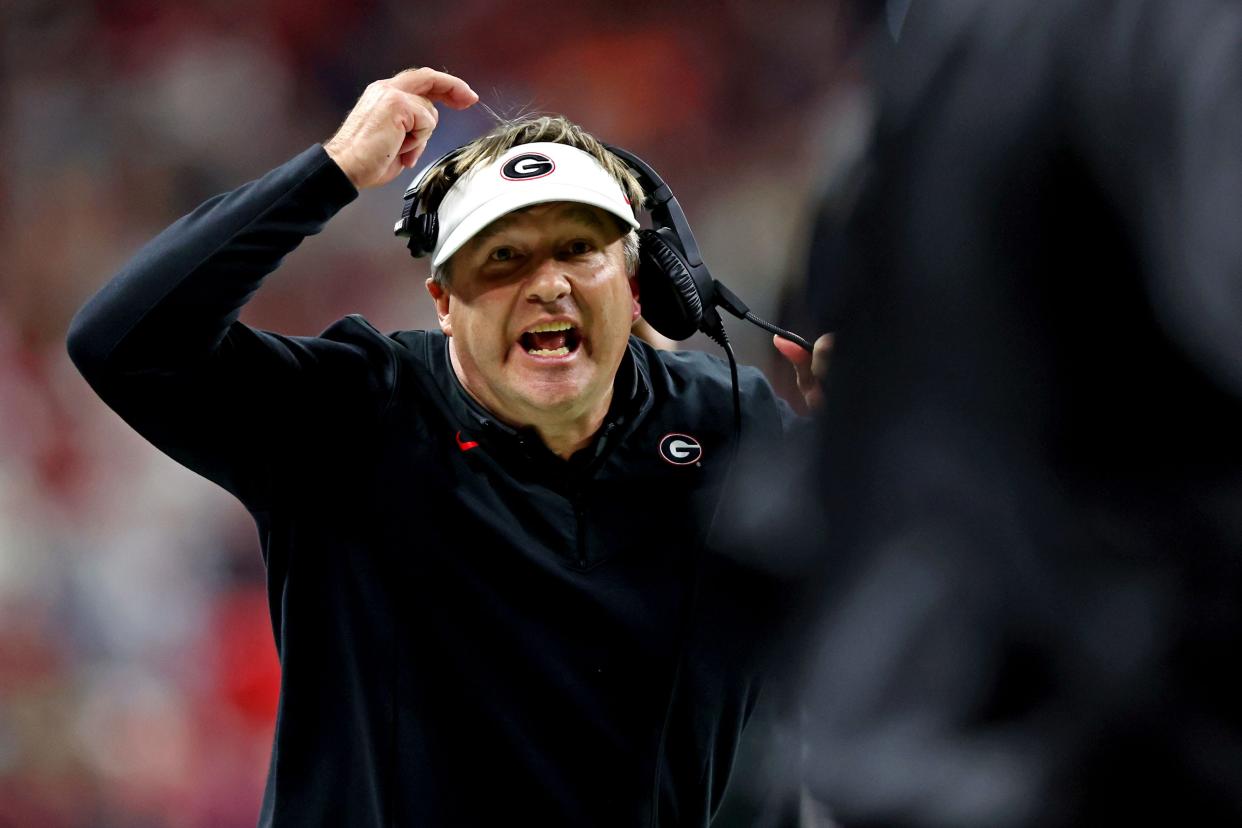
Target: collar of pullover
<point x="630" y="399"/>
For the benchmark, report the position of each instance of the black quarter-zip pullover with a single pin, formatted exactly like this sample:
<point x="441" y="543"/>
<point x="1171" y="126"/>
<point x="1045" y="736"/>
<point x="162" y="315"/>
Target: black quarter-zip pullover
<point x="471" y="630"/>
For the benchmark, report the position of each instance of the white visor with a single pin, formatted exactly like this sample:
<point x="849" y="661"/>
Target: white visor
<point x="524" y="175"/>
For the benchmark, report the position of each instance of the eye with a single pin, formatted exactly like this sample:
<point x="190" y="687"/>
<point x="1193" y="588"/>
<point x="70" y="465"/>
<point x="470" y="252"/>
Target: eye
<point x="580" y="247"/>
<point x="502" y="254"/>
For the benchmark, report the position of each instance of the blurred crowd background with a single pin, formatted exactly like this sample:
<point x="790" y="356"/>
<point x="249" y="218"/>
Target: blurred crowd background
<point x="138" y="676"/>
<point x="1018" y="216"/>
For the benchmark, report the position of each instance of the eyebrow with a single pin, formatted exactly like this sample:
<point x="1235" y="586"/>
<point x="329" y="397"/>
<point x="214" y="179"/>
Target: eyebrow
<point x="573" y="211"/>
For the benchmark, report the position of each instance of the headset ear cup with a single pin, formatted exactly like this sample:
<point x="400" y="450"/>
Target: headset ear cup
<point x="423" y="231"/>
<point x="667" y="292"/>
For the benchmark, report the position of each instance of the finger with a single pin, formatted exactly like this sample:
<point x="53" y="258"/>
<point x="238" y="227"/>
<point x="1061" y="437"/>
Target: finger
<point x="423" y="120"/>
<point x="439" y="87"/>
<point x="808" y="386"/>
<point x="822" y="350"/>
<point x="791" y="351"/>
<point x="410" y="157"/>
<point x="412" y="139"/>
<point x="416" y="113"/>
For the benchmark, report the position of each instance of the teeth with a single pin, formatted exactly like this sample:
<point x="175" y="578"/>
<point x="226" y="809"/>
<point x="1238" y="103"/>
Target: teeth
<point x="547" y="327"/>
<point x="561" y="351"/>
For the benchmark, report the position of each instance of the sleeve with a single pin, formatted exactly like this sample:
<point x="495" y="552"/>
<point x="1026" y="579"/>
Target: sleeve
<point x="1154" y="94"/>
<point x="161" y="345"/>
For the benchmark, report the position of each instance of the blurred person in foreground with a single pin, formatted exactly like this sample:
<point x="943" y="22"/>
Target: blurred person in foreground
<point x="1030" y="457"/>
<point x="481" y="546"/>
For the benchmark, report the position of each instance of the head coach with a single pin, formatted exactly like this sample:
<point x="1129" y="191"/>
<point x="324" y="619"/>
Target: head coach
<point x="486" y="546"/>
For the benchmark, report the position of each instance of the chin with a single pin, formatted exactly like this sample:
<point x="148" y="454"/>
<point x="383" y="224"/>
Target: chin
<point x="552" y="398"/>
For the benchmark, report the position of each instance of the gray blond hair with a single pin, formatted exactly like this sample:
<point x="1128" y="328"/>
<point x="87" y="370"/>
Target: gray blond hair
<point x="529" y="130"/>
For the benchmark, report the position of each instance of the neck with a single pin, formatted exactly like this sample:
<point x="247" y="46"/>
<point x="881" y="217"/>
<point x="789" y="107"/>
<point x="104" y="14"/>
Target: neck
<point x="565" y="438"/>
<point x="562" y="432"/>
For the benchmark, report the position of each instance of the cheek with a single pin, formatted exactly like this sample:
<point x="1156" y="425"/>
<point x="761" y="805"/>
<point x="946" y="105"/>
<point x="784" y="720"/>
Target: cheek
<point x="615" y="295"/>
<point x="623" y="304"/>
<point x="484" y="332"/>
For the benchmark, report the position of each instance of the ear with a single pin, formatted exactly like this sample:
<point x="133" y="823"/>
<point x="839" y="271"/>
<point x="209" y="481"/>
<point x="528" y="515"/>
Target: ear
<point x="637" y="309"/>
<point x="441" y="298"/>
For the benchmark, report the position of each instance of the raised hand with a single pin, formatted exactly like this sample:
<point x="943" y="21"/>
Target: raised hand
<point x="388" y="128"/>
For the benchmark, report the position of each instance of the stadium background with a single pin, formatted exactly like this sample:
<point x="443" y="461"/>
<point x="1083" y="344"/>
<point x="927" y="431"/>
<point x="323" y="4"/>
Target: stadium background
<point x="137" y="672"/>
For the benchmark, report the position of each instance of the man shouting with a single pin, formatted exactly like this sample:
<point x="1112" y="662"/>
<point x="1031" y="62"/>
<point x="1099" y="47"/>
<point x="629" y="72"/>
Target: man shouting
<point x="489" y="573"/>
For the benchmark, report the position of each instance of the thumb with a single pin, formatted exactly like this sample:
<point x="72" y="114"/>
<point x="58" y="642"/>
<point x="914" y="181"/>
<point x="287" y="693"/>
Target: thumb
<point x="791" y="351"/>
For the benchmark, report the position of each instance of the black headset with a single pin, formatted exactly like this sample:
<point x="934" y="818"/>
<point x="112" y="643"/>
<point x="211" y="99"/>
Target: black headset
<point x="678" y="294"/>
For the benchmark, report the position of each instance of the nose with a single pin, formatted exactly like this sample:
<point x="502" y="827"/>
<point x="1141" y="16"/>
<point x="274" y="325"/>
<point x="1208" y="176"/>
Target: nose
<point x="549" y="283"/>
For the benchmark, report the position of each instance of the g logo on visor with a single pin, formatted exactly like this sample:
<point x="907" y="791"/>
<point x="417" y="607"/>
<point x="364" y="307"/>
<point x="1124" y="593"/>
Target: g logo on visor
<point x="527" y="166"/>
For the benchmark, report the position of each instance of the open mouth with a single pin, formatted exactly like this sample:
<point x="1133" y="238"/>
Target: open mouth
<point x="551" y="339"/>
